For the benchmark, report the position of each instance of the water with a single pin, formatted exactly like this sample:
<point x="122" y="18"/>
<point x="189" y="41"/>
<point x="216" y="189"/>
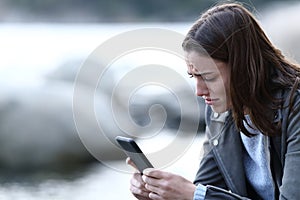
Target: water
<point x="97" y="182"/>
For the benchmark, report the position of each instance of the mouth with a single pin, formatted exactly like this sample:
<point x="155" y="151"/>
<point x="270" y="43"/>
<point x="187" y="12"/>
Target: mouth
<point x="209" y="101"/>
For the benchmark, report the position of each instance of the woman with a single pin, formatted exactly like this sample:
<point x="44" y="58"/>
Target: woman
<point x="253" y="146"/>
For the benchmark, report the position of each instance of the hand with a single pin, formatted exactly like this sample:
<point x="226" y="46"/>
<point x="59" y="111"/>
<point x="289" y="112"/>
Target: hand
<point x="167" y="186"/>
<point x="137" y="185"/>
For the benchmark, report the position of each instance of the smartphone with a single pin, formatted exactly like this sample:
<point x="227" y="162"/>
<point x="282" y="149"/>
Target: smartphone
<point x="133" y="151"/>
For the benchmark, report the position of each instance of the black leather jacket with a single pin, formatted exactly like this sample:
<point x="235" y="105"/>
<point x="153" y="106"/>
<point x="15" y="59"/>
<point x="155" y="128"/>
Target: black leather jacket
<point x="221" y="168"/>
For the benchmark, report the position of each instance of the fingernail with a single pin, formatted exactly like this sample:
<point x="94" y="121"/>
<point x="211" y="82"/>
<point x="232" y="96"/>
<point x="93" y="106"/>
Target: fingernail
<point x="144" y="178"/>
<point x="147" y="171"/>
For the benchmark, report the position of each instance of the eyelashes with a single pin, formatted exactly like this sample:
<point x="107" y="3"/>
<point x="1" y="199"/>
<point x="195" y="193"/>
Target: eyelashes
<point x="204" y="78"/>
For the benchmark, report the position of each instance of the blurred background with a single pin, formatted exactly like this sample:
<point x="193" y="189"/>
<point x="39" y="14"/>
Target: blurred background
<point x="43" y="44"/>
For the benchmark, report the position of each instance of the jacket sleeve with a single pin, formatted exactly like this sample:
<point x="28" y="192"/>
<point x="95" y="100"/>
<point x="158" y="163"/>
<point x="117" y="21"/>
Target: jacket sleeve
<point x="291" y="170"/>
<point x="210" y="176"/>
<point x="216" y="193"/>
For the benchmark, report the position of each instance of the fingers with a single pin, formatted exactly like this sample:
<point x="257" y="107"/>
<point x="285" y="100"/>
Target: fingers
<point x="137" y="186"/>
<point x="129" y="162"/>
<point x="152" y="184"/>
<point x="151" y="172"/>
<point x="137" y="180"/>
<point x="139" y="192"/>
<point x="153" y="189"/>
<point x="150" y="180"/>
<point x="147" y="186"/>
<point x="155" y="196"/>
<point x="154" y="178"/>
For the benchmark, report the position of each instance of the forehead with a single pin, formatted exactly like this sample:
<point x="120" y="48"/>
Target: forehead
<point x="200" y="62"/>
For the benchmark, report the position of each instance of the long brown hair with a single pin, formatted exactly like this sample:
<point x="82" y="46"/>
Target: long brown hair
<point x="229" y="32"/>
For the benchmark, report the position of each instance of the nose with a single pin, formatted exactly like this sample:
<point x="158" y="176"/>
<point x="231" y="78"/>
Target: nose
<point x="201" y="87"/>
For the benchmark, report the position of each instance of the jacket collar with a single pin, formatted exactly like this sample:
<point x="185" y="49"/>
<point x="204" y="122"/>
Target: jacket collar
<point x="227" y="149"/>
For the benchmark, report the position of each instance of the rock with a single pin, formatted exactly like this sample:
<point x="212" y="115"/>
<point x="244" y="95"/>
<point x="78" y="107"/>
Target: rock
<point x="37" y="129"/>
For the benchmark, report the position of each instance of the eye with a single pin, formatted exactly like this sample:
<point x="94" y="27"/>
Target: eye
<point x="194" y="75"/>
<point x="209" y="78"/>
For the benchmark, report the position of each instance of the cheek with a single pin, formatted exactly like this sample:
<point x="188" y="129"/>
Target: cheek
<point x="227" y="81"/>
<point x="227" y="91"/>
<point x="218" y="88"/>
<point x="226" y="86"/>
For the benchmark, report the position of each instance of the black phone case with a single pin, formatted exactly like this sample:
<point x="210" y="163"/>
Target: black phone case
<point x="133" y="151"/>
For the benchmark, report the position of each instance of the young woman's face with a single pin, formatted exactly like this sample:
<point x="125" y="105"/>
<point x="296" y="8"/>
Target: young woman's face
<point x="212" y="80"/>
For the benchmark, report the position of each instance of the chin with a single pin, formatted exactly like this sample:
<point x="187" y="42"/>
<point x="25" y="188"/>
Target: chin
<point x="219" y="109"/>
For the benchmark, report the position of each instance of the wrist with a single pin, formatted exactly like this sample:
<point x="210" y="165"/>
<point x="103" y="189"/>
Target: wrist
<point x="191" y="192"/>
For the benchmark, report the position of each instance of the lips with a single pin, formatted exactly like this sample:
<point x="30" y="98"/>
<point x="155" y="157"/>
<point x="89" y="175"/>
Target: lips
<point x="209" y="101"/>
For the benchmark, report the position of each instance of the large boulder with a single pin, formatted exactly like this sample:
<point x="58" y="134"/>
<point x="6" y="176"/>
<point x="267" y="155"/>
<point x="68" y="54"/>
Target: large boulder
<point x="124" y="84"/>
<point x="38" y="131"/>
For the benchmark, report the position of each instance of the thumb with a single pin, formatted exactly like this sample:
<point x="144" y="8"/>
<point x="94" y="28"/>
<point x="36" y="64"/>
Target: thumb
<point x="149" y="171"/>
<point x="129" y="162"/>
